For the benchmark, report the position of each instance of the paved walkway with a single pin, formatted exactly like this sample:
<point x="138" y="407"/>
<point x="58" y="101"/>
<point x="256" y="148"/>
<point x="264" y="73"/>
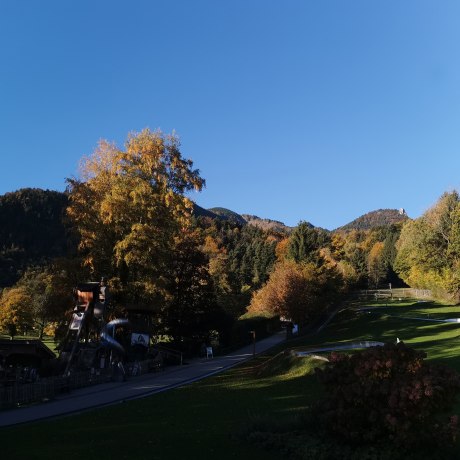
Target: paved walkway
<point x="136" y="387"/>
<point x="340" y="347"/>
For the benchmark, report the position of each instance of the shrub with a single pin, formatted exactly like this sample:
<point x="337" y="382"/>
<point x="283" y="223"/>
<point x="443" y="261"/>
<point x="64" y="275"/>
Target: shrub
<point x="388" y="393"/>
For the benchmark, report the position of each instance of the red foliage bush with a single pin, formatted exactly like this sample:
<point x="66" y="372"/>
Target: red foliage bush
<point x="390" y="393"/>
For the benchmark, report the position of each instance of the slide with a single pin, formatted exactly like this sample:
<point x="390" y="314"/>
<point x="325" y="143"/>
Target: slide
<point x="108" y="332"/>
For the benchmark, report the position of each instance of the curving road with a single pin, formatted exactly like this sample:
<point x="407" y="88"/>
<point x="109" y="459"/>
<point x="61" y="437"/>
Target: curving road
<point x="136" y="387"/>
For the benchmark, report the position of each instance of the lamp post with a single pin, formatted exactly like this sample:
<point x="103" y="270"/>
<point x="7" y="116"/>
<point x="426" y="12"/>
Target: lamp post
<point x="253" y="334"/>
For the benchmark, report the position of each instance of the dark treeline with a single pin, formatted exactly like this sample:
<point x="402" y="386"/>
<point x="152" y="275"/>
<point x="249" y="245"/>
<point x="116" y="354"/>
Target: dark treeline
<point x="32" y="231"/>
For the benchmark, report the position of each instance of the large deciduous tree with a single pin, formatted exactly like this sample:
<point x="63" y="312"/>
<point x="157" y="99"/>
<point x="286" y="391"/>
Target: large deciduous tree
<point x="377" y="266"/>
<point x="192" y="309"/>
<point x="15" y="310"/>
<point x="429" y="248"/>
<point x="297" y="291"/>
<point x="129" y="205"/>
<point x="50" y="294"/>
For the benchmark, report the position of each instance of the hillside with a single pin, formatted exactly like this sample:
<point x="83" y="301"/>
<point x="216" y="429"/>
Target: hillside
<point x="31" y="230"/>
<point x="267" y="224"/>
<point x="198" y="211"/>
<point x="228" y="215"/>
<point x="241" y="219"/>
<point x="379" y="218"/>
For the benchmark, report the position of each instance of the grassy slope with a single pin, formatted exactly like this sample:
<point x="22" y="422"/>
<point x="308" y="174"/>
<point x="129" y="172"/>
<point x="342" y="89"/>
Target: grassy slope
<point x="203" y="419"/>
<point x="389" y="321"/>
<point x="197" y="421"/>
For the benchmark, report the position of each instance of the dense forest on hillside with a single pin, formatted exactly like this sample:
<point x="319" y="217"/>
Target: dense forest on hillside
<point x="428" y="250"/>
<point x="379" y="218"/>
<point x="229" y="215"/>
<point x="266" y="224"/>
<point x="237" y="261"/>
<point x="198" y="272"/>
<point x="32" y="231"/>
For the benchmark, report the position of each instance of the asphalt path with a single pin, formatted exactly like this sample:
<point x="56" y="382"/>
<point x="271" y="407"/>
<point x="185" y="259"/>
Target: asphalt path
<point x="136" y="387"/>
<point x="340" y="347"/>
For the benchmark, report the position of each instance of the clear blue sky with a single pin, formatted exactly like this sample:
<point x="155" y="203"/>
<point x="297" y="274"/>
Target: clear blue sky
<point x="292" y="110"/>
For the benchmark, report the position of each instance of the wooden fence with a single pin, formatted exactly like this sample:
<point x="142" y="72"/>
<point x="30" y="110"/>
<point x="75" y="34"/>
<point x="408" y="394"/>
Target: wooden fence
<point x="396" y="293"/>
<point x="15" y="394"/>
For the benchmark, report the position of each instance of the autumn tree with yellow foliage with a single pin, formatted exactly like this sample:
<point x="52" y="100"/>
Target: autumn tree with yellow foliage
<point x="15" y="310"/>
<point x="304" y="282"/>
<point x="429" y="249"/>
<point x="129" y="207"/>
<point x="298" y="291"/>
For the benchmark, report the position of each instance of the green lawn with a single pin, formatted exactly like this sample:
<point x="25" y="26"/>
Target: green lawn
<point x="386" y="321"/>
<point x="203" y="420"/>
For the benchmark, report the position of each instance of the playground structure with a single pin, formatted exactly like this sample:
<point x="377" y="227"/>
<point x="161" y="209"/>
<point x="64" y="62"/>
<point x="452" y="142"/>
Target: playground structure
<point x="96" y="345"/>
<point x="95" y="340"/>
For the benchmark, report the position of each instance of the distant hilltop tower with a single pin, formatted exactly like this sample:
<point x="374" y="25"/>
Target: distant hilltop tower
<point x="402" y="212"/>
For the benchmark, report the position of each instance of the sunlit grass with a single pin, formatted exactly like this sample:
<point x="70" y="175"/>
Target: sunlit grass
<point x="388" y="321"/>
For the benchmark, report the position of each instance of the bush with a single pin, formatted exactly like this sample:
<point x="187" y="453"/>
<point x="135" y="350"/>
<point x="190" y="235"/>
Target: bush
<point x="388" y="393"/>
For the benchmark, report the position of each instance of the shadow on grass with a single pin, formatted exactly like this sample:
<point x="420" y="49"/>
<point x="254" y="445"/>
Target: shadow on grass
<point x="196" y="421"/>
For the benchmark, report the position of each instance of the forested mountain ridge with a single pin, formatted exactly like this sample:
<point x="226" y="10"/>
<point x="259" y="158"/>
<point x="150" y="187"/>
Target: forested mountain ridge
<point x="378" y="218"/>
<point x="241" y="219"/>
<point x="227" y="214"/>
<point x="32" y="229"/>
<point x="267" y="224"/>
<point x="368" y="221"/>
<point x="198" y="211"/>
